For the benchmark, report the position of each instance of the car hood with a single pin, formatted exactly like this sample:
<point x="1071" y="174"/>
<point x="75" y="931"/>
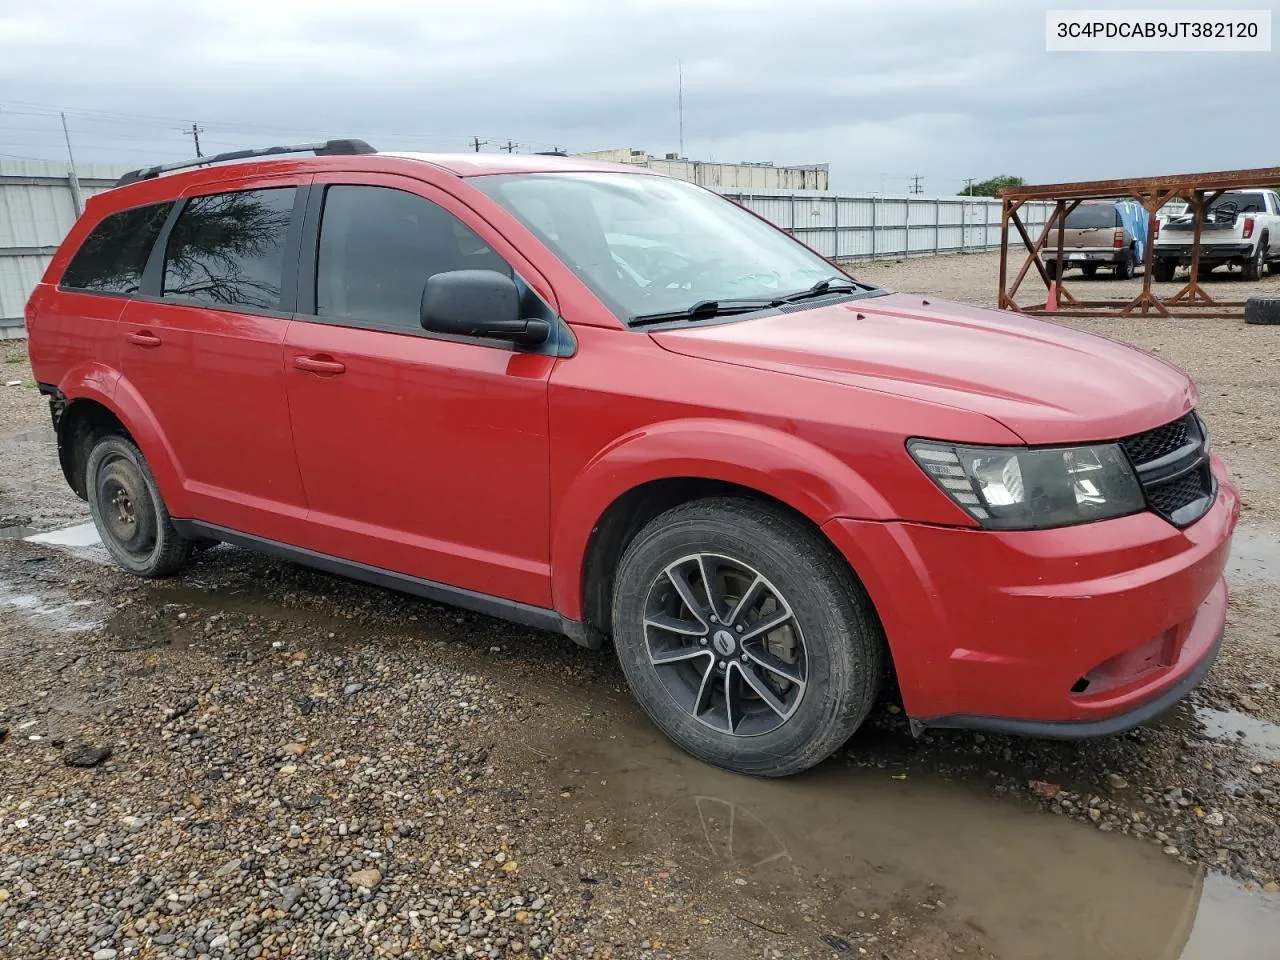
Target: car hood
<point x="1045" y="382"/>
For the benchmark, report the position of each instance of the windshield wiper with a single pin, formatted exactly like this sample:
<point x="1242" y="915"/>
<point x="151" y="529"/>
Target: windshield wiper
<point x="708" y="308"/>
<point x="829" y="285"/>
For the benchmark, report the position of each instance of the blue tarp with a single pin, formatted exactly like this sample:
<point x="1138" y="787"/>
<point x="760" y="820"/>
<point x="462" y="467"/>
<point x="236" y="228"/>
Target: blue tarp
<point x="1134" y="216"/>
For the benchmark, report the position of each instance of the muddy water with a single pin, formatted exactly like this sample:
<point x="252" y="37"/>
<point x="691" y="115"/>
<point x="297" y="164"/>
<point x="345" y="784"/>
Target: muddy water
<point x="803" y="857"/>
<point x="1255" y="553"/>
<point x="1255" y="735"/>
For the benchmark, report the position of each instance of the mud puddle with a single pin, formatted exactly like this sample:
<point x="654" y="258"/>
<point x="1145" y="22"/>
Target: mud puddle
<point x="1226" y="726"/>
<point x="1255" y="553"/>
<point x="891" y="862"/>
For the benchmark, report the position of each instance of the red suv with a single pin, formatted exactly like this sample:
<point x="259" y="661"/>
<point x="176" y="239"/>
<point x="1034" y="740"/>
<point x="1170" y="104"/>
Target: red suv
<point x="611" y="404"/>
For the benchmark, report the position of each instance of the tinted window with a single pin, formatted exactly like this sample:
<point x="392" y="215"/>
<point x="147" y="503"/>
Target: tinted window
<point x="229" y="247"/>
<point x="1093" y="216"/>
<point x="378" y="246"/>
<point x="1240" y="203"/>
<point x="113" y="256"/>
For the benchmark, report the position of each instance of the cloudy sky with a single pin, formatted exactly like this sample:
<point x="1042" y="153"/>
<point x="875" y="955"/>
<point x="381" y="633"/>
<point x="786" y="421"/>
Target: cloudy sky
<point x="880" y="89"/>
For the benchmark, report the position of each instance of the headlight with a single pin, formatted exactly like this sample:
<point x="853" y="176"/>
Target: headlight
<point x="1016" y="488"/>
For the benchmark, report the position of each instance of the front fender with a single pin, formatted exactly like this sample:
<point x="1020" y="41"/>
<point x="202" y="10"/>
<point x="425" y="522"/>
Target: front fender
<point x="106" y="386"/>
<point x="777" y="464"/>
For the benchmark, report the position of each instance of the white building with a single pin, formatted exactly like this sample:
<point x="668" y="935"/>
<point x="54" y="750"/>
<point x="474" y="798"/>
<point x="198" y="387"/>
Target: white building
<point x="735" y="177"/>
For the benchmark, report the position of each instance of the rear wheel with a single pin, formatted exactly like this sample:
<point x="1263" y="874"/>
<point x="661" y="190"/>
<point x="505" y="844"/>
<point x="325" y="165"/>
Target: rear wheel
<point x="127" y="509"/>
<point x="1090" y="270"/>
<point x="1253" y="266"/>
<point x="1162" y="270"/>
<point x="745" y="638"/>
<point x="1124" y="269"/>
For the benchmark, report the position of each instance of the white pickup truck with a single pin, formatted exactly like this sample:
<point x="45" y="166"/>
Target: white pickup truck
<point x="1240" y="227"/>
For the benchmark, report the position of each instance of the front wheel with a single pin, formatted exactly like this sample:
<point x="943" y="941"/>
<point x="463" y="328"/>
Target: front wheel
<point x="745" y="637"/>
<point x="131" y="518"/>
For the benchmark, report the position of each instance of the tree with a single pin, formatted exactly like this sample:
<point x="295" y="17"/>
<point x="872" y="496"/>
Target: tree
<point x="992" y="187"/>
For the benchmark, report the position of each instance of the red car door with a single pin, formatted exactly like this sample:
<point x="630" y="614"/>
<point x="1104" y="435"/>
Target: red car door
<point x="420" y="455"/>
<point x="206" y="356"/>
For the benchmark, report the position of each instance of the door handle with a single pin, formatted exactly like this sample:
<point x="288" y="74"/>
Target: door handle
<point x="142" y="338"/>
<point x="319" y="365"/>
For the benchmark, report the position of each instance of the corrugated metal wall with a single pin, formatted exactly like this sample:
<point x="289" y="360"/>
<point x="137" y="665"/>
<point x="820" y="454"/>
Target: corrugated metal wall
<point x="37" y="208"/>
<point x="864" y="227"/>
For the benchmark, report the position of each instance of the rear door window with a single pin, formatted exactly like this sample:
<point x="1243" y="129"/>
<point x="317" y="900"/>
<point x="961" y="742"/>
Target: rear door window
<point x="1093" y="217"/>
<point x="228" y="248"/>
<point x="378" y="246"/>
<point x="114" y="255"/>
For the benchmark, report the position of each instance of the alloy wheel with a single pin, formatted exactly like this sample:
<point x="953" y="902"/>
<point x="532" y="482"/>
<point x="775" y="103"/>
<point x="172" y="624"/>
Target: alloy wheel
<point x="725" y="644"/>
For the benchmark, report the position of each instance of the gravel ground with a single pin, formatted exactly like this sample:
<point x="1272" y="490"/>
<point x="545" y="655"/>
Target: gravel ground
<point x="257" y="760"/>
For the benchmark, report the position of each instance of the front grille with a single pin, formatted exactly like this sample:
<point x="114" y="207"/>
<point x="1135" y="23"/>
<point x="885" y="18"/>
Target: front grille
<point x="1154" y="444"/>
<point x="1172" y="464"/>
<point x="1171" y="497"/>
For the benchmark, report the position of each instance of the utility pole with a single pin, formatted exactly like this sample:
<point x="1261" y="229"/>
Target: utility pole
<point x="194" y="133"/>
<point x="478" y="143"/>
<point x="968" y="186"/>
<point x="680" y="100"/>
<point x="915" y="184"/>
<point x="510" y="147"/>
<point x="73" y="179"/>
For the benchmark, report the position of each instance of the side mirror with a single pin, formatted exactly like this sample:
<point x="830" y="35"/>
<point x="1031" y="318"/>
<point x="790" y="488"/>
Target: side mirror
<point x="479" y="303"/>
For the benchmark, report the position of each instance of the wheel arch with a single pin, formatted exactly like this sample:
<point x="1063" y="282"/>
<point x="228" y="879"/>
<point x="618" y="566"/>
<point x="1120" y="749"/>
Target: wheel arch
<point x="91" y="402"/>
<point x="663" y="466"/>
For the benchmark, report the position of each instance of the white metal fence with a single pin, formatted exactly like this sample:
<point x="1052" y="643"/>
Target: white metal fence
<point x="867" y="227"/>
<point x="39" y="203"/>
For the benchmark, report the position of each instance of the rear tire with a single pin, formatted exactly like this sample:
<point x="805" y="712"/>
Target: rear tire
<point x="769" y="704"/>
<point x="128" y="511"/>
<point x="1124" y="269"/>
<point x="1253" y="266"/>
<point x="1162" y="270"/>
<point x="1090" y="270"/>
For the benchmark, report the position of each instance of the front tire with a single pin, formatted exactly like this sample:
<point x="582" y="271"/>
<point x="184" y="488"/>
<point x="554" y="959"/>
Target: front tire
<point x="128" y="511"/>
<point x="768" y="671"/>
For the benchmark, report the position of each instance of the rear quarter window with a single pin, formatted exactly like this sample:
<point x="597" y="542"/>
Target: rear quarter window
<point x="113" y="256"/>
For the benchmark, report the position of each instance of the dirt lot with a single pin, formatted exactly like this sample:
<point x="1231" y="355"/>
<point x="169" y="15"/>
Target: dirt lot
<point x="302" y="766"/>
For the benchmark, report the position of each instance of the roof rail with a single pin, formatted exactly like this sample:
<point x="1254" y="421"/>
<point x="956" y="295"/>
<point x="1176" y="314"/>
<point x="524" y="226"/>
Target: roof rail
<point x="321" y="148"/>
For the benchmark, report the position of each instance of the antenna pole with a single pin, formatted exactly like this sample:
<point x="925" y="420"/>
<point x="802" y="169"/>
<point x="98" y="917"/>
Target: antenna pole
<point x="73" y="178"/>
<point x="680" y="100"/>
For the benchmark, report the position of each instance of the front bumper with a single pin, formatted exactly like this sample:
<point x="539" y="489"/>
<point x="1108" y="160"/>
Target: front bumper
<point x="1078" y="631"/>
<point x="1209" y="252"/>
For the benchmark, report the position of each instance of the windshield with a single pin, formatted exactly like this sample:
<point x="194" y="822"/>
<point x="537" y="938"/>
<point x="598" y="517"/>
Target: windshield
<point x="1092" y="216"/>
<point x="650" y="245"/>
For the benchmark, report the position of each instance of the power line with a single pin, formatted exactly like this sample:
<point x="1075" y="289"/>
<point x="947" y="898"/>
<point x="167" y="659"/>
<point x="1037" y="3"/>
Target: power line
<point x="510" y="147"/>
<point x="915" y="184"/>
<point x="478" y="143"/>
<point x="27" y="108"/>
